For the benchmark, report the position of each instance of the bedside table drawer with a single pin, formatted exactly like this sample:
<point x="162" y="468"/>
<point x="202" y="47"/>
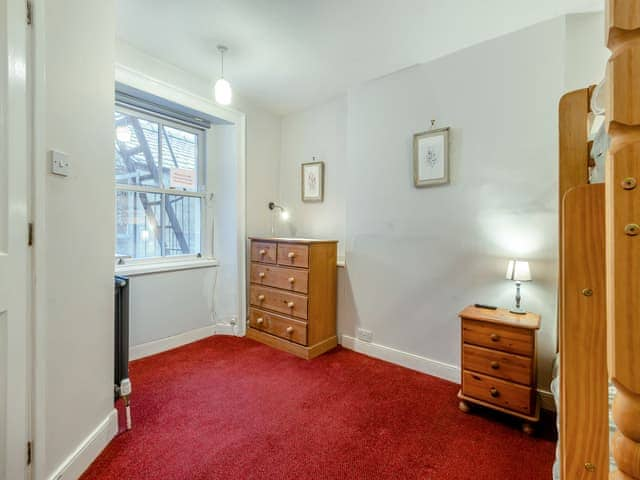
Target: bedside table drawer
<point x="497" y="392"/>
<point x="498" y="337"/>
<point x="507" y="366"/>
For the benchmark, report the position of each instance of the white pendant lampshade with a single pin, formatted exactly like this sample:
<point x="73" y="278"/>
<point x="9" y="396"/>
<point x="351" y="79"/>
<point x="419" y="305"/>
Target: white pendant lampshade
<point x="222" y="90"/>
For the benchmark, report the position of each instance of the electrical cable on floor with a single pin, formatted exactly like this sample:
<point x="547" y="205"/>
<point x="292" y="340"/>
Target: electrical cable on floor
<point x="127" y="410"/>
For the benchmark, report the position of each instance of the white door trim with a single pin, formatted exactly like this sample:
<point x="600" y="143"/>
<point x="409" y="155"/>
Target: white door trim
<point x="16" y="257"/>
<point x="39" y="249"/>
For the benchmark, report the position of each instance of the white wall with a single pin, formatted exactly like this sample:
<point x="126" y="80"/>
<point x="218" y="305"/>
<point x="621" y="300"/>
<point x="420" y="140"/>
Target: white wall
<point x="321" y="131"/>
<point x="167" y="304"/>
<point x="416" y="257"/>
<point x="75" y="217"/>
<point x="223" y="177"/>
<point x="585" y="51"/>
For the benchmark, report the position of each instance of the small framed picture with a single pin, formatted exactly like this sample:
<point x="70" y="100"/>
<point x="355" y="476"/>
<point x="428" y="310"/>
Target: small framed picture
<point x="431" y="157"/>
<point x="312" y="182"/>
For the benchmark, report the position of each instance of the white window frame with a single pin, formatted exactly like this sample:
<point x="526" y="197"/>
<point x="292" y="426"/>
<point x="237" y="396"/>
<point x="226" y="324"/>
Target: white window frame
<point x="125" y="263"/>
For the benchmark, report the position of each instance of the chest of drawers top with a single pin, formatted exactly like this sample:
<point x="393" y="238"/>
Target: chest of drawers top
<point x="500" y="316"/>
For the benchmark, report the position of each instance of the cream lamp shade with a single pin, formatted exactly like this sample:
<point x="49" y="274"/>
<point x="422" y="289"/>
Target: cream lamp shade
<point x="518" y="271"/>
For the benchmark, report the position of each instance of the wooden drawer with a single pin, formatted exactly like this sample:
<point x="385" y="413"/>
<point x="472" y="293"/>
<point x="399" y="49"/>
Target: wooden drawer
<point x="293" y="255"/>
<point x="265" y="252"/>
<point x="508" y="366"/>
<point x="283" y="327"/>
<point x="278" y="300"/>
<point x="498" y="392"/>
<point x="293" y="279"/>
<point x="498" y="337"/>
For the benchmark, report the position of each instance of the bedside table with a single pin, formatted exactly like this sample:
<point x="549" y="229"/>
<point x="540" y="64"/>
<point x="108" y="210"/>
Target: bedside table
<point x="499" y="363"/>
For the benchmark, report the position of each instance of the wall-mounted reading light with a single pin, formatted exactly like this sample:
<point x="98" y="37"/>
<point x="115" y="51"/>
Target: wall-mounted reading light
<point x="284" y="215"/>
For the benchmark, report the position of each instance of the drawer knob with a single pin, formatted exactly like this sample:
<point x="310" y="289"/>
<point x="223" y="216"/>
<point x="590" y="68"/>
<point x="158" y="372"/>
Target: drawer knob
<point x="495" y="365"/>
<point x="290" y="304"/>
<point x="263" y="252"/>
<point x="292" y="279"/>
<point x="261" y="297"/>
<point x="289" y="330"/>
<point x="260" y="321"/>
<point x="495" y="337"/>
<point x="291" y="254"/>
<point x="261" y="274"/>
<point x="494" y="392"/>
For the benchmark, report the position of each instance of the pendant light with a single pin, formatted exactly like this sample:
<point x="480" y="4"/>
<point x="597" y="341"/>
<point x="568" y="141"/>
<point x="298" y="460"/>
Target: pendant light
<point x="222" y="89"/>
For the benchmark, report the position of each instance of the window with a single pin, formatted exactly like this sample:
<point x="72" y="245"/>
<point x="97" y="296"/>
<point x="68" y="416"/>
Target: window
<point x="159" y="189"/>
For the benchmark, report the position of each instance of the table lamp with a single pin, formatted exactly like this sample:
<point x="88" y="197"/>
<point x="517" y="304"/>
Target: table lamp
<point x="518" y="271"/>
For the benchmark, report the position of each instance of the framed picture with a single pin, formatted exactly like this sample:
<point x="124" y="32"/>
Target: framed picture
<point x="431" y="158"/>
<point x="313" y="182"/>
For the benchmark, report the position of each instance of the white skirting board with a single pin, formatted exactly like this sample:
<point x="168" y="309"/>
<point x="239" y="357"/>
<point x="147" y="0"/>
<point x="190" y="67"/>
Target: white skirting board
<point x="164" y="344"/>
<point x="88" y="450"/>
<point x="420" y="364"/>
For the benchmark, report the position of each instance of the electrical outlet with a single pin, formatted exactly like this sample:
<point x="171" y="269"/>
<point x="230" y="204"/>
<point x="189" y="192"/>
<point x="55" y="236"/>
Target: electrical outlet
<point x="365" y="335"/>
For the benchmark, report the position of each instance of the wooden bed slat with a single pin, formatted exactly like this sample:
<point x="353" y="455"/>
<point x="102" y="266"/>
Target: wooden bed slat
<point x="584" y="428"/>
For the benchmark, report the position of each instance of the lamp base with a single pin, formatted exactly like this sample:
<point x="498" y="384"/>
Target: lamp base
<point x="518" y="311"/>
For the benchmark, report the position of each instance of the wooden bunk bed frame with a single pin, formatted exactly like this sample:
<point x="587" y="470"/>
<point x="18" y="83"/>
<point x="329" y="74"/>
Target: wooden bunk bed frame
<point x="599" y="295"/>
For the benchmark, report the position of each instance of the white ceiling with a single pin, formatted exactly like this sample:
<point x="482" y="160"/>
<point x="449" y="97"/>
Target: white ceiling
<point x="291" y="54"/>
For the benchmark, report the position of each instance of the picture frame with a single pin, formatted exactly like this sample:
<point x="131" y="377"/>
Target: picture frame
<point x="312" y="180"/>
<point x="431" y="158"/>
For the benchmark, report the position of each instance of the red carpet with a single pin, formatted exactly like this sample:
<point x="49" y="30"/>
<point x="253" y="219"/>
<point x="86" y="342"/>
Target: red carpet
<point x="230" y="408"/>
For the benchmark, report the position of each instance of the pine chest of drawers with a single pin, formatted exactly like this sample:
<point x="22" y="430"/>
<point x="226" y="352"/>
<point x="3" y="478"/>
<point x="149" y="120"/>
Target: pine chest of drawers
<point x="499" y="362"/>
<point x="292" y="294"/>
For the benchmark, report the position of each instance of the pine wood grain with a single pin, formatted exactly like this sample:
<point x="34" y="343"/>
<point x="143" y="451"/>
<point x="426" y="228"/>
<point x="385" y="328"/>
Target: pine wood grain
<point x="303" y="286"/>
<point x="507" y="366"/>
<point x="622" y="217"/>
<point x="265" y="252"/>
<point x="292" y="279"/>
<point x="583" y="375"/>
<point x="278" y="325"/>
<point x="278" y="301"/>
<point x="499" y="337"/>
<point x="492" y="390"/>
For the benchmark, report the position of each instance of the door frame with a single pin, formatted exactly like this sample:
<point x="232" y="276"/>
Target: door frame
<point x="17" y="131"/>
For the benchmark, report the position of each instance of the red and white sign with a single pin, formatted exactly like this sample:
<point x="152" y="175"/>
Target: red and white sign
<point x="182" y="178"/>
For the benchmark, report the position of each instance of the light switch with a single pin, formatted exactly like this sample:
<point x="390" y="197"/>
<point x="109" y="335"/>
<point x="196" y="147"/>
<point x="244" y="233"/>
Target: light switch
<point x="60" y="164"/>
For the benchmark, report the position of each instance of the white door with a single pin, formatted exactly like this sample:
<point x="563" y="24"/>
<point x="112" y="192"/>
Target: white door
<point x="14" y="278"/>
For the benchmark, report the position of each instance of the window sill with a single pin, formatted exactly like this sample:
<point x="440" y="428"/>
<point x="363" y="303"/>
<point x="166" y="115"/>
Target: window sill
<point x="148" y="268"/>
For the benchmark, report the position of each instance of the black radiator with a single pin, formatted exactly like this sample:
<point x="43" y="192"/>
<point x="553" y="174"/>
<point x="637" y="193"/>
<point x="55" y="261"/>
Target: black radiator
<point x="121" y="365"/>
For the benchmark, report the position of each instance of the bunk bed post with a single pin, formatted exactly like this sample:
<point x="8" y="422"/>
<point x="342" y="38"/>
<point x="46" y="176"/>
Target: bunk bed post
<point x="583" y="408"/>
<point x="622" y="210"/>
